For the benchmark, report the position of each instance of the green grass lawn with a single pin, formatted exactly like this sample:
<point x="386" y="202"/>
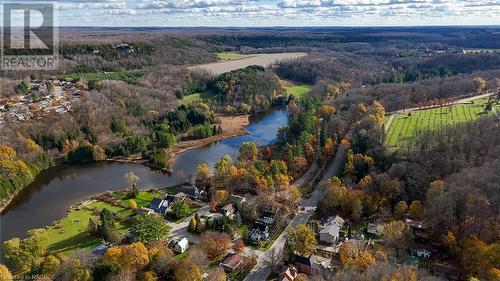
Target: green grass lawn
<point x="71" y="232"/>
<point x="299" y="91"/>
<point x="197" y="97"/>
<point x="228" y="56"/>
<point x="143" y="199"/>
<point x="403" y="127"/>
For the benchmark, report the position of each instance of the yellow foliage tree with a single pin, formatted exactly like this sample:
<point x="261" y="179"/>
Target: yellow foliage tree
<point x="348" y="252"/>
<point x="186" y="270"/>
<point x="363" y="261"/>
<point x="5" y="274"/>
<point x="132" y="204"/>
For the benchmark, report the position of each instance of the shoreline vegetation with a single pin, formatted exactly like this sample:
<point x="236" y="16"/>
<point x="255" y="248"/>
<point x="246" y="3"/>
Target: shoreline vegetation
<point x="232" y="126"/>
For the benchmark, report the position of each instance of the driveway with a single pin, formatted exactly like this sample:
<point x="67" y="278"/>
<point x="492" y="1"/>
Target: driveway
<point x="179" y="230"/>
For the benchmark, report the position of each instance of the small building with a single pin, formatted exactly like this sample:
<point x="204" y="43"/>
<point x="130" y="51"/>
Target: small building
<point x="288" y="274"/>
<point x="237" y="200"/>
<point x="233" y="262"/>
<point x="422" y="253"/>
<point x="101" y="249"/>
<point x="228" y="211"/>
<point x="179" y="246"/>
<point x="191" y="191"/>
<point x="374" y="228"/>
<point x="330" y="232"/>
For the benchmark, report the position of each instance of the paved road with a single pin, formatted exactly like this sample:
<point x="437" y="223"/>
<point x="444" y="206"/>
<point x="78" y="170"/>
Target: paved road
<point x="261" y="271"/>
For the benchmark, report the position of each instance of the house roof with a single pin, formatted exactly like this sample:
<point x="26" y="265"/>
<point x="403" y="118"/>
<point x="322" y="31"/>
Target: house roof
<point x="303" y="260"/>
<point x="332" y="229"/>
<point x="233" y="260"/>
<point x="183" y="243"/>
<point x="260" y="226"/>
<point x="155" y="203"/>
<point x="336" y="220"/>
<point x="289" y="273"/>
<point x="190" y="191"/>
<point x="229" y="208"/>
<point x="237" y="199"/>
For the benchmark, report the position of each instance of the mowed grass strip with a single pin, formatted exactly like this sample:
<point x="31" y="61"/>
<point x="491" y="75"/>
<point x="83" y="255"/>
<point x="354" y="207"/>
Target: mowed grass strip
<point x="405" y="127"/>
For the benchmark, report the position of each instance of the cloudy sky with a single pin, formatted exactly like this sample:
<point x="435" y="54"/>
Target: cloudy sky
<point x="276" y="12"/>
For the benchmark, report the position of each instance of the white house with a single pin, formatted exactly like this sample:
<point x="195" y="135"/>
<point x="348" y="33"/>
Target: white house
<point x="330" y="232"/>
<point x="179" y="246"/>
<point x="422" y="253"/>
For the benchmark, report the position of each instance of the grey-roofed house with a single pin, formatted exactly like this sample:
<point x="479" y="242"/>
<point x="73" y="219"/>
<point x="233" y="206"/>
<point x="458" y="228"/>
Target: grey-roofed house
<point x="330" y="232"/>
<point x="191" y="191"/>
<point x="160" y="206"/>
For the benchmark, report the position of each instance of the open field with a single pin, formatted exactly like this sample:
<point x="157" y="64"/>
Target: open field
<point x="261" y="59"/>
<point x="196" y="97"/>
<point x="405" y="127"/>
<point x="233" y="56"/>
<point x="299" y="91"/>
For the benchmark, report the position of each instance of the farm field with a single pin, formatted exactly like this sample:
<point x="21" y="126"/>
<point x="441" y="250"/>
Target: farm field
<point x="404" y="127"/>
<point x="233" y="56"/>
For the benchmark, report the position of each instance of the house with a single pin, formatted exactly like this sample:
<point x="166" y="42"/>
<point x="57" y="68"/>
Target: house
<point x="422" y="253"/>
<point x="374" y="228"/>
<point x="259" y="232"/>
<point x="228" y="211"/>
<point x="330" y="232"/>
<point x="237" y="200"/>
<point x="160" y="206"/>
<point x="179" y="246"/>
<point x="233" y="262"/>
<point x="419" y="231"/>
<point x="313" y="265"/>
<point x="191" y="191"/>
<point x="288" y="274"/>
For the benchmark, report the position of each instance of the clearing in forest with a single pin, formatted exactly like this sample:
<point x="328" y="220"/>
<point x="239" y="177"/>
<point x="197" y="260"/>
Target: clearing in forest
<point x="406" y="126"/>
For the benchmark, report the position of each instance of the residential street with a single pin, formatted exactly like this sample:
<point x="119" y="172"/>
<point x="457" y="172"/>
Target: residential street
<point x="261" y="271"/>
<point x="179" y="230"/>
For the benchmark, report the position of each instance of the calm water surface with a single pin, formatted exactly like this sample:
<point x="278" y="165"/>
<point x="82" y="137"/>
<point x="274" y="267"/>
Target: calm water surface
<point x="56" y="189"/>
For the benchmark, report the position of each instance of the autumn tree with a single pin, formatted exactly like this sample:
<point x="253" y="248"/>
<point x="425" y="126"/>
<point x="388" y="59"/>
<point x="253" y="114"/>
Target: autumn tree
<point x="214" y="244"/>
<point x="248" y="152"/>
<point x="239" y="246"/>
<point x="186" y="270"/>
<point x="302" y="239"/>
<point x="204" y="172"/>
<point x="363" y="261"/>
<point x="480" y="85"/>
<point x="217" y="274"/>
<point x="348" y="252"/>
<point x="132" y="204"/>
<point x="400" y="209"/>
<point x="395" y="234"/>
<point x="416" y="209"/>
<point x="5" y="274"/>
<point x="133" y="256"/>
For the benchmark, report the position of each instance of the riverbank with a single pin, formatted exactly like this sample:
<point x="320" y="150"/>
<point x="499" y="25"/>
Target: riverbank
<point x="232" y="126"/>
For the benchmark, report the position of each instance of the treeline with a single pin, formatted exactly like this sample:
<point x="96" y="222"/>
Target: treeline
<point x="18" y="169"/>
<point x="409" y="70"/>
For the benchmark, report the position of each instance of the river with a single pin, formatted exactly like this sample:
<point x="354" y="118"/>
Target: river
<point x="56" y="189"/>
